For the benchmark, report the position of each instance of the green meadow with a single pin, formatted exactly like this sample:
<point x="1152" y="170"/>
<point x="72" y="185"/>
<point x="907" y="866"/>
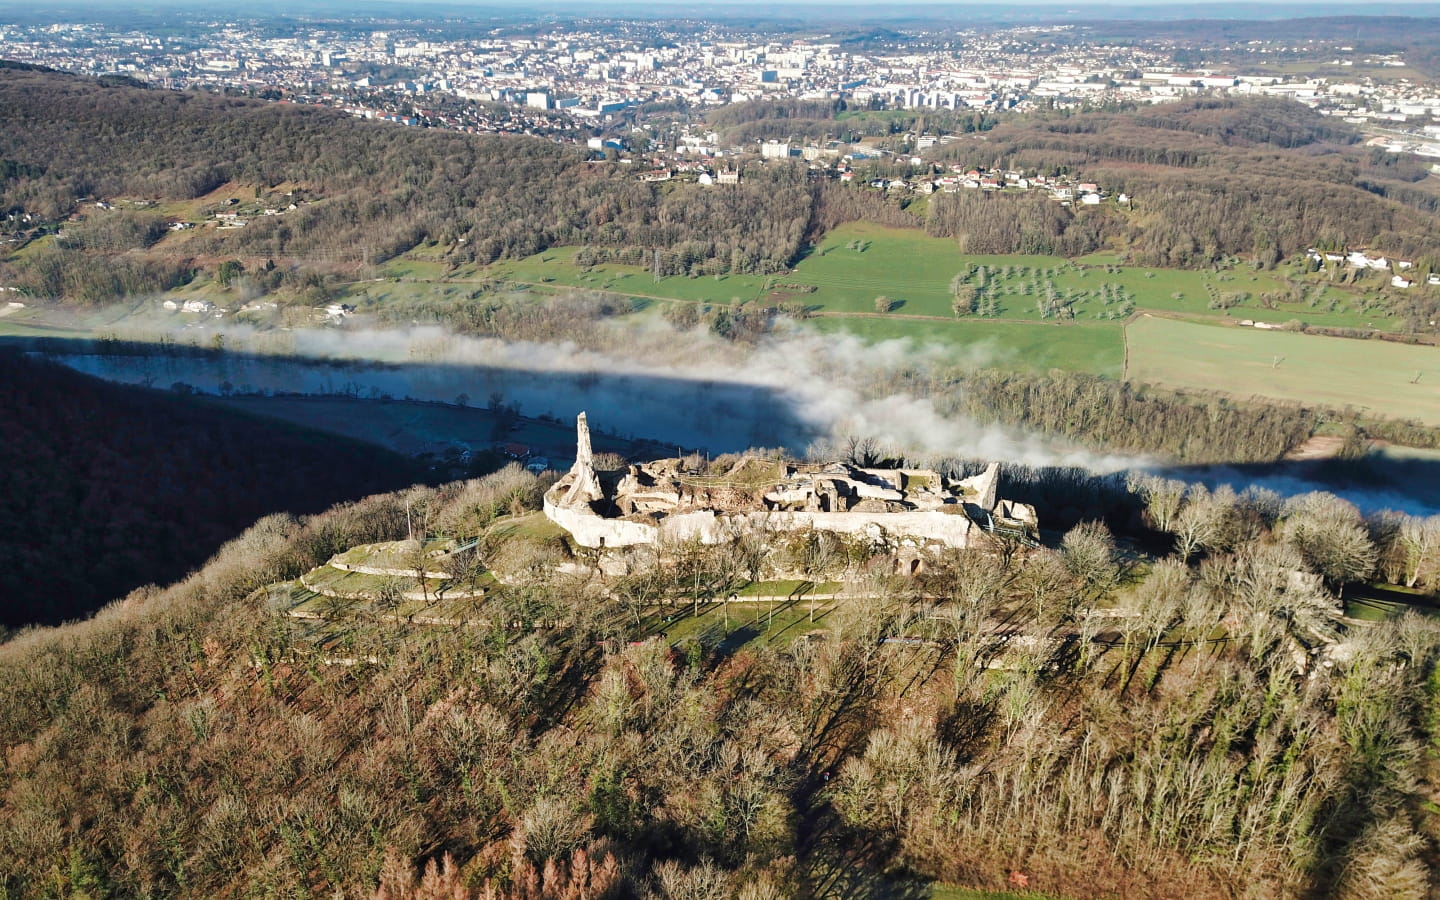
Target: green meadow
<point x="859" y="262"/>
<point x="1030" y="313"/>
<point x="1094" y="347"/>
<point x="1380" y="377"/>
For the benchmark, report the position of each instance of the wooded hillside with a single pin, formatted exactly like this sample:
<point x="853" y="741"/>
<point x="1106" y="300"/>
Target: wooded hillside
<point x="384" y="189"/>
<point x="1210" y="177"/>
<point x="992" y="722"/>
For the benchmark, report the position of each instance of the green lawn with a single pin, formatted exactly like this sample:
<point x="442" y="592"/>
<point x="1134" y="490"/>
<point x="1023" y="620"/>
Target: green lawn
<point x="730" y="626"/>
<point x="372" y="294"/>
<point x="40" y="319"/>
<point x="859" y="261"/>
<point x="1375" y="376"/>
<point x="533" y="527"/>
<point x="786" y="587"/>
<point x="424" y="262"/>
<point x="13" y="327"/>
<point x="1035" y="313"/>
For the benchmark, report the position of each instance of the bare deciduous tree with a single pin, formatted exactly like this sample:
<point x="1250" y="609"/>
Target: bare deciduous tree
<point x="1088" y="550"/>
<point x="1163" y="498"/>
<point x="1419" y="556"/>
<point x="675" y="881"/>
<point x="1330" y="535"/>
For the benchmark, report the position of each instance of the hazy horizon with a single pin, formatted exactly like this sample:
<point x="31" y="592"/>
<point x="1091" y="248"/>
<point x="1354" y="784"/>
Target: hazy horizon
<point x="847" y="12"/>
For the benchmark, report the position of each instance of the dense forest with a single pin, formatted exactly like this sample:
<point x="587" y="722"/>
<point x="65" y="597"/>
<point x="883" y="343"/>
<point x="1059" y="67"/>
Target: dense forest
<point x="1063" y="718"/>
<point x="1106" y="414"/>
<point x="104" y="488"/>
<point x="1211" y="178"/>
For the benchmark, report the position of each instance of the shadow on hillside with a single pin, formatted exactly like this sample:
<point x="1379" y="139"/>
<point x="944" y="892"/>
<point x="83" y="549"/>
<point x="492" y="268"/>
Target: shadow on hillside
<point x="1374" y="482"/>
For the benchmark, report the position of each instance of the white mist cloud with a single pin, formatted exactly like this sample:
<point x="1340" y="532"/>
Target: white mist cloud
<point x="791" y="389"/>
<point x="794" y="389"/>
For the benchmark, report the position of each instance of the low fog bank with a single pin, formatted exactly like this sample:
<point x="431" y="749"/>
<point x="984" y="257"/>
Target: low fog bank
<point x="798" y="391"/>
<point x="805" y="392"/>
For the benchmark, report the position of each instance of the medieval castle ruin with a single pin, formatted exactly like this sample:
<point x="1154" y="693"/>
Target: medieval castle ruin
<point x="665" y="499"/>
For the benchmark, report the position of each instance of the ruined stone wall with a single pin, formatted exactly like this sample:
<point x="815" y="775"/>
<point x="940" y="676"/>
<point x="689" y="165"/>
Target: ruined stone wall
<point x="590" y="530"/>
<point x="703" y="524"/>
<point x="953" y="531"/>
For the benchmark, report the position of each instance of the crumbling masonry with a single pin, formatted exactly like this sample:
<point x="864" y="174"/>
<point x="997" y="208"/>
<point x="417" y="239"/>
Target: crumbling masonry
<point x="644" y="503"/>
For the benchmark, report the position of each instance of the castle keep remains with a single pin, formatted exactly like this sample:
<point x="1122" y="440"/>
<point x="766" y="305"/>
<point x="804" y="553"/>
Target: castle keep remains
<point x="644" y="503"/>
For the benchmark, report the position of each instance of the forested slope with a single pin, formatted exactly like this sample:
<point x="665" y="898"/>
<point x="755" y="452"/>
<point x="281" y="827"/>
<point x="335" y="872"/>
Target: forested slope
<point x="1210" y="178"/>
<point x="384" y="188"/>
<point x="104" y="487"/>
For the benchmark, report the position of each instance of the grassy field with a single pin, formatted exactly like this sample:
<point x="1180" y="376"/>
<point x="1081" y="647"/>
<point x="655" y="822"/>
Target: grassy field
<point x="859" y="261"/>
<point x="368" y="296"/>
<point x="787" y="587"/>
<point x="1375" y="376"/>
<point x="1096" y="347"/>
<point x="38" y="320"/>
<point x="1033" y="313"/>
<point x="856" y="263"/>
<point x="17" y="327"/>
<point x="530" y="527"/>
<point x="557" y="266"/>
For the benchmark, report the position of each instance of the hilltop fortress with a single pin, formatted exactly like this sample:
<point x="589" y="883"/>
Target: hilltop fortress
<point x="645" y="503"/>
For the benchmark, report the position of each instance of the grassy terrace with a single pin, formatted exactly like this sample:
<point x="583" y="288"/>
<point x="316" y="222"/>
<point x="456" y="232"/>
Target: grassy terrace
<point x="750" y="475"/>
<point x="789" y="588"/>
<point x="392" y="556"/>
<point x="362" y="583"/>
<point x="533" y="527"/>
<point x="438" y="608"/>
<point x="714" y="622"/>
<point x="730" y="626"/>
